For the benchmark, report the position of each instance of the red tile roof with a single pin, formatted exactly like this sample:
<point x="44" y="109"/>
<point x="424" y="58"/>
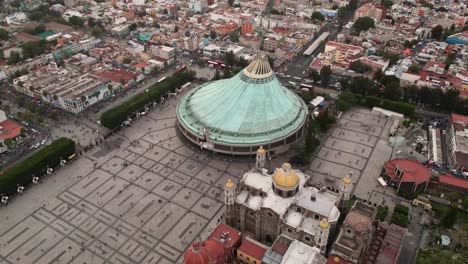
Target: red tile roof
<point x="460" y="119"/>
<point x="391" y="244"/>
<point x="117" y="74"/>
<point x="452" y="180"/>
<point x="27" y="37"/>
<point x="413" y="171"/>
<point x="252" y="249"/>
<point x="9" y="129"/>
<point x="332" y="259"/>
<point x="231" y="237"/>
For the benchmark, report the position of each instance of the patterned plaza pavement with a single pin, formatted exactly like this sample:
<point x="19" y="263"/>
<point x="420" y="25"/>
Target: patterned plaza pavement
<point x="142" y="197"/>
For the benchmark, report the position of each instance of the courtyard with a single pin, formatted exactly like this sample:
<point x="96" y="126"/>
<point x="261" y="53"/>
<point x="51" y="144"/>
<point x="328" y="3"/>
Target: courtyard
<point x="143" y="196"/>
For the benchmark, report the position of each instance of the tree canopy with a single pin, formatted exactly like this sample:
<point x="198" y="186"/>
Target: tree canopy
<point x="4" y="34"/>
<point x="364" y="23"/>
<point x="317" y="16"/>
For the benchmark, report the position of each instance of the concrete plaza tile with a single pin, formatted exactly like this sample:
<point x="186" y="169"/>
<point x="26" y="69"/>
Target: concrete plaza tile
<point x="159" y="135"/>
<point x="78" y="219"/>
<point x="86" y="207"/>
<point x="156" y="153"/>
<point x="173" y="160"/>
<point x="131" y="172"/>
<point x="140" y="160"/>
<point x="148" y="164"/>
<point x="333" y="169"/>
<point x="61" y="226"/>
<point x="113" y="238"/>
<point x="69" y="198"/>
<point x="98" y="229"/>
<point x="157" y="167"/>
<point x="168" y="251"/>
<point x="152" y="258"/>
<point x="122" y="153"/>
<point x="143" y="209"/>
<point x="350" y="147"/>
<point x="193" y="183"/>
<point x="354" y="136"/>
<point x="89" y="183"/>
<point x="140" y="147"/>
<point x="186" y="197"/>
<point x="185" y="151"/>
<point x="119" y="259"/>
<point x="105" y="192"/>
<point x="70" y="213"/>
<point x="100" y="249"/>
<point x="19" y="235"/>
<point x="125" y="200"/>
<point x="186" y="230"/>
<point x="125" y="228"/>
<point x="180" y="177"/>
<point x="166" y="171"/>
<point x="128" y="247"/>
<point x="342" y="158"/>
<point x="206" y="207"/>
<point x="167" y="189"/>
<point x="63" y="254"/>
<point x="148" y="180"/>
<point x="209" y="175"/>
<point x="203" y="187"/>
<point x="171" y="143"/>
<point x="113" y="165"/>
<point x="82" y="238"/>
<point x="35" y="246"/>
<point x="44" y="215"/>
<point x="139" y="253"/>
<point x="132" y="157"/>
<point x="146" y="238"/>
<point x="87" y="257"/>
<point x="164" y="220"/>
<point x="190" y="167"/>
<point x="216" y="193"/>
<point x="89" y="224"/>
<point x="219" y="164"/>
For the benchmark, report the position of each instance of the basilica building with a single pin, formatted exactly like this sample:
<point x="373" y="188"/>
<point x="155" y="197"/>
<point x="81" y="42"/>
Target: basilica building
<point x="264" y="206"/>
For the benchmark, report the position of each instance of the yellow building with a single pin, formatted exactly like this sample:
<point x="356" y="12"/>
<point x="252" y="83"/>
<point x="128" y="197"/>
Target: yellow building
<point x="250" y="251"/>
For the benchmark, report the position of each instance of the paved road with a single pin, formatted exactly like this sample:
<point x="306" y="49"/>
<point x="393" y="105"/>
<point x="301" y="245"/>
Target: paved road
<point x="412" y="239"/>
<point x="301" y="62"/>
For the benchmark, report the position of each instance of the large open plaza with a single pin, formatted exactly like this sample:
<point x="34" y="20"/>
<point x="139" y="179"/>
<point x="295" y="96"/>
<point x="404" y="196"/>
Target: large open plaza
<point x="142" y="197"/>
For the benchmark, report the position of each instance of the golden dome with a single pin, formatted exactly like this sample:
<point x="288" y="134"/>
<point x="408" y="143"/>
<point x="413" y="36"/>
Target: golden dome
<point x="261" y="150"/>
<point x="229" y="184"/>
<point x="324" y="224"/>
<point x="285" y="177"/>
<point x="346" y="179"/>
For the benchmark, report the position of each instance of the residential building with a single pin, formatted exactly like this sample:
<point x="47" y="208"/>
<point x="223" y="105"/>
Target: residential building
<point x="16" y="18"/>
<point x="166" y="53"/>
<point x="247" y="27"/>
<point x="250" y="251"/>
<point x="386" y="244"/>
<point x="370" y="10"/>
<point x="191" y="43"/>
<point x="355" y="233"/>
<point x="376" y="62"/>
<point x="299" y="252"/>
<point x="69" y="3"/>
<point x="9" y="130"/>
<point x="198" y="6"/>
<point x="270" y="44"/>
<point x="457" y="141"/>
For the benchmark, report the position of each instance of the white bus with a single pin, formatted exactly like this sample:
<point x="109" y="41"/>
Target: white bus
<point x="293" y="84"/>
<point x="185" y="85"/>
<point x="162" y="79"/>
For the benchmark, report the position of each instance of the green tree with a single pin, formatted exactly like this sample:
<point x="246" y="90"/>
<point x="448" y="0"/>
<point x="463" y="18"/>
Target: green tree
<point x="387" y="3"/>
<point x="360" y="67"/>
<point x="234" y="36"/>
<point x="437" y="32"/>
<point x="127" y="60"/>
<point x="317" y="16"/>
<point x="8" y="142"/>
<point x="414" y="68"/>
<point x="450" y="217"/>
<point x="353" y="4"/>
<point x="97" y="32"/>
<point x="314" y="75"/>
<point x="14" y="58"/>
<point x="76" y="21"/>
<point x="213" y="34"/>
<point x="231" y="2"/>
<point x="346" y="100"/>
<point x="4" y="34"/>
<point x="132" y="27"/>
<point x="275" y="12"/>
<point x="230" y="58"/>
<point x="325" y="75"/>
<point x="378" y="75"/>
<point x="364" y="23"/>
<point x="342" y="12"/>
<point x="176" y="29"/>
<point x="122" y="81"/>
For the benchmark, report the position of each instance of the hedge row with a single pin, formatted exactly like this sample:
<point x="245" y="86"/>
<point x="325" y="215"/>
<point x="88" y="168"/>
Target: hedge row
<point x="114" y="117"/>
<point x="36" y="165"/>
<point x="395" y="106"/>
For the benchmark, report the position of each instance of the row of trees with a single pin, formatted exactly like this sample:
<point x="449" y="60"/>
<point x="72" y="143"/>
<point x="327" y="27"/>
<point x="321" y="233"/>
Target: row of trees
<point x="388" y="87"/>
<point x="36" y="165"/>
<point x="114" y="117"/>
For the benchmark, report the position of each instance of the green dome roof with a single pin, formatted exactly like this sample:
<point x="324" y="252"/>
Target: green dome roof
<point x="249" y="108"/>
